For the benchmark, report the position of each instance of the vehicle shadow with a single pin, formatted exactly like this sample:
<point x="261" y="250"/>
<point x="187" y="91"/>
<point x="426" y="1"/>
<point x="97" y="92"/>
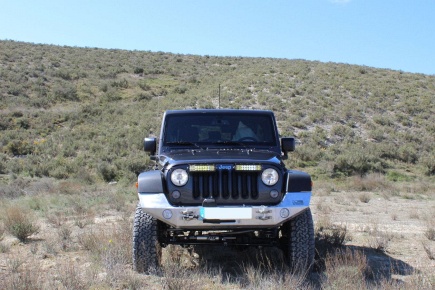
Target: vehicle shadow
<point x="378" y="266"/>
<point x="239" y="264"/>
<point x="236" y="265"/>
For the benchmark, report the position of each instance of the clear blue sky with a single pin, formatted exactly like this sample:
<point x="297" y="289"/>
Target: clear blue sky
<point x="393" y="34"/>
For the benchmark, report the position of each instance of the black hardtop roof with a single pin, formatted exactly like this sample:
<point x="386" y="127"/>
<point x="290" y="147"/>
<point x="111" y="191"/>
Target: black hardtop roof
<point x="218" y="111"/>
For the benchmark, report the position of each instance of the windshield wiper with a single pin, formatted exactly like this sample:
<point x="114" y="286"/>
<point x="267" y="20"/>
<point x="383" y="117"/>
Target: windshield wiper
<point x="231" y="143"/>
<point x="183" y="143"/>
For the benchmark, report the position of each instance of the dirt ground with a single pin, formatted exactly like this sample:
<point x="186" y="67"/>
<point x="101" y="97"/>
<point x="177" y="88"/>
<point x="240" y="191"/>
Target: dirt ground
<point x="390" y="230"/>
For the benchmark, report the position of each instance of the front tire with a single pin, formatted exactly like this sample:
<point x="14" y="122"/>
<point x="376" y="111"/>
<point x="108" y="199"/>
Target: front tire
<point x="147" y="251"/>
<point x="298" y="242"/>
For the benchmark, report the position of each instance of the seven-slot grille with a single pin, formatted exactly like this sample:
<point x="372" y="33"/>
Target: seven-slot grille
<point x="225" y="184"/>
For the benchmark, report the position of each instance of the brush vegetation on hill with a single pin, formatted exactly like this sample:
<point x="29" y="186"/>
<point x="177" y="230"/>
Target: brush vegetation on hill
<point x="82" y="113"/>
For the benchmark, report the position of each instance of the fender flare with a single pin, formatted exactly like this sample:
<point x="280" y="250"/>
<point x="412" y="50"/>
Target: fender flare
<point x="298" y="181"/>
<point x="150" y="182"/>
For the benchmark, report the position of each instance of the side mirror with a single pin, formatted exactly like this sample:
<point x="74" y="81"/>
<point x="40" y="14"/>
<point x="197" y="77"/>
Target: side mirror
<point x="150" y="145"/>
<point x="288" y="144"/>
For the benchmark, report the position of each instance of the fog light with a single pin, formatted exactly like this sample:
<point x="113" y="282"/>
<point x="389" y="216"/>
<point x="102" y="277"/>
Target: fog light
<point x="167" y="214"/>
<point x="248" y="167"/>
<point x="176" y="194"/>
<point x="201" y="167"/>
<point x="274" y="193"/>
<point x="284" y="213"/>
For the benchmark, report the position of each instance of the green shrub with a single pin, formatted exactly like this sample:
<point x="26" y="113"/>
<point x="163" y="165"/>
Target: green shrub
<point x="407" y="153"/>
<point x="342" y="131"/>
<point x="64" y="92"/>
<point x="180" y="90"/>
<point x="3" y="160"/>
<point x="111" y="96"/>
<point x="144" y="96"/>
<point x="428" y="163"/>
<point x="309" y="154"/>
<point x="18" y="147"/>
<point x="138" y="70"/>
<point x="144" y="85"/>
<point x="397" y="176"/>
<point x="107" y="171"/>
<point x="350" y="120"/>
<point x="357" y="158"/>
<point x="123" y="84"/>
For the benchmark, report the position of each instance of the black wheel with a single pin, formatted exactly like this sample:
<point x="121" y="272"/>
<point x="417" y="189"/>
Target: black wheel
<point x="298" y="242"/>
<point x="147" y="251"/>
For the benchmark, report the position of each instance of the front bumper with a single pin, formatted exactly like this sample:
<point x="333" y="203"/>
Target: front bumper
<point x="224" y="217"/>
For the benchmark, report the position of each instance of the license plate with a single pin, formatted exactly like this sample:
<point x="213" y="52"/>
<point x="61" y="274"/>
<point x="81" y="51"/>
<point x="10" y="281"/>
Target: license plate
<point x="225" y="213"/>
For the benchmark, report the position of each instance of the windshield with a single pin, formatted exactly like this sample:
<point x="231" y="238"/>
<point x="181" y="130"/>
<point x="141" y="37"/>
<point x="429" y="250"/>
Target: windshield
<point x="233" y="129"/>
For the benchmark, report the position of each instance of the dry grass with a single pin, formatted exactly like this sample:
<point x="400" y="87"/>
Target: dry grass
<point x="430" y="233"/>
<point x="177" y="277"/>
<point x="371" y="182"/>
<point x="421" y="281"/>
<point x="20" y="223"/>
<point x="98" y="256"/>
<point x="332" y="234"/>
<point x="429" y="251"/>
<point x="260" y="278"/>
<point x="346" y="269"/>
<point x="28" y="278"/>
<point x="324" y="187"/>
<point x="109" y="247"/>
<point x="180" y="273"/>
<point x="364" y="197"/>
<point x="69" y="277"/>
<point x="84" y="219"/>
<point x="379" y="239"/>
<point x="413" y="214"/>
<point x="3" y="248"/>
<point x="2" y="230"/>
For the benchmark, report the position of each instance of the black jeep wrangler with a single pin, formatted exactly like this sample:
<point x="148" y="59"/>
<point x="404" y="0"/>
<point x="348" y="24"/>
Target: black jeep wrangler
<point x="220" y="180"/>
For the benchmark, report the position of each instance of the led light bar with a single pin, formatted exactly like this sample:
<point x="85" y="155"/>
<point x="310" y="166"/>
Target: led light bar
<point x="248" y="167"/>
<point x="202" y="167"/>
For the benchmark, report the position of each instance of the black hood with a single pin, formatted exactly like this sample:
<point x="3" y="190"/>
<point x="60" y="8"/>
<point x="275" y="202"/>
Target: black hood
<point x="218" y="156"/>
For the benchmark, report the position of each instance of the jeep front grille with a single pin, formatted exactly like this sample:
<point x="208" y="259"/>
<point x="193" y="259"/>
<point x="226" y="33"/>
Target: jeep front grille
<point x="225" y="184"/>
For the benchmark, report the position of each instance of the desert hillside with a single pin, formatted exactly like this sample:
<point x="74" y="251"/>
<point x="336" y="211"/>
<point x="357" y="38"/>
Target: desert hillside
<point x="72" y="123"/>
<point x="87" y="108"/>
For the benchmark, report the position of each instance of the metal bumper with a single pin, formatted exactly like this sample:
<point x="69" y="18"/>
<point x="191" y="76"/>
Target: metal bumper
<point x="224" y="217"/>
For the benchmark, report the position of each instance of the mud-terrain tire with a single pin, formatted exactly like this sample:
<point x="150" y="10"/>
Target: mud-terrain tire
<point x="297" y="242"/>
<point x="147" y="251"/>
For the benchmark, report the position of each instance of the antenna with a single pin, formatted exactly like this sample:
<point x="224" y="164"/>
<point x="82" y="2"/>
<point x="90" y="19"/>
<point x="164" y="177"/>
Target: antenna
<point x="219" y="103"/>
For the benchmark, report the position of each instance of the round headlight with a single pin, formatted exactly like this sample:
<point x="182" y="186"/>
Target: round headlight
<point x="179" y="177"/>
<point x="270" y="176"/>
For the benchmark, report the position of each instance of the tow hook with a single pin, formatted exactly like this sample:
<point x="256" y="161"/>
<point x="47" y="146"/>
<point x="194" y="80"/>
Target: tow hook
<point x="263" y="211"/>
<point x="188" y="215"/>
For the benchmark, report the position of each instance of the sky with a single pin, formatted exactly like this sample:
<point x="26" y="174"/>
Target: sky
<point x="392" y="34"/>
